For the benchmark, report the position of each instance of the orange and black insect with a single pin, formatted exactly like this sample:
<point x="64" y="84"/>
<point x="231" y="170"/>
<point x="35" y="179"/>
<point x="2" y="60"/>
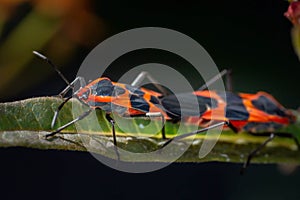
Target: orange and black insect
<point x="122" y="99"/>
<point x="259" y="114"/>
<point x="248" y="112"/>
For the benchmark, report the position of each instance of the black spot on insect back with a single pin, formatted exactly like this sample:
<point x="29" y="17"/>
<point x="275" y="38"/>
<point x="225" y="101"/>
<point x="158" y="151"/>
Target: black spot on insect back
<point x="267" y="105"/>
<point x="183" y="105"/>
<point x="235" y="108"/>
<point x="103" y="88"/>
<point x="139" y="103"/>
<point x="154" y="100"/>
<point x="211" y="102"/>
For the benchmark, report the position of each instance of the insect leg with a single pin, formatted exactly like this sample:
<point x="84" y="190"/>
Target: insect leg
<point x="194" y="132"/>
<point x="271" y="137"/>
<point x="85" y="114"/>
<point x="279" y="134"/>
<point x="226" y="72"/>
<point x="254" y="153"/>
<point x="57" y="111"/>
<point x="158" y="114"/>
<point x="229" y="85"/>
<point x="289" y="135"/>
<point x="112" y="122"/>
<point x="62" y="94"/>
<point x="138" y="80"/>
<point x="71" y="86"/>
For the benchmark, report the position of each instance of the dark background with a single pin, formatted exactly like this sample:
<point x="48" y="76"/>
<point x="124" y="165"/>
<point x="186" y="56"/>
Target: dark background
<point x="251" y="37"/>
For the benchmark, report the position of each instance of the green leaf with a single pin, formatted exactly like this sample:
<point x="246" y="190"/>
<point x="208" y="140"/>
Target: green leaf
<point x="295" y="34"/>
<point x="25" y="123"/>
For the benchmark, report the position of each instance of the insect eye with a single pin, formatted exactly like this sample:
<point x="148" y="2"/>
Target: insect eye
<point x="85" y="95"/>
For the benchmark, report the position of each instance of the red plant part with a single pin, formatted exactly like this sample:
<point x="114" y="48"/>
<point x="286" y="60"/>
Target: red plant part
<point x="293" y="13"/>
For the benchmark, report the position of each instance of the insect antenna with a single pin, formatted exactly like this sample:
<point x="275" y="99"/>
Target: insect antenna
<point x="41" y="56"/>
<point x="226" y="72"/>
<point x="52" y="64"/>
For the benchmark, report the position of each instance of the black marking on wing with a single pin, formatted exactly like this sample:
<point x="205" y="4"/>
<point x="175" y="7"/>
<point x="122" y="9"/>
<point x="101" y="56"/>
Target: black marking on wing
<point x="235" y="108"/>
<point x="103" y="88"/>
<point x="154" y="100"/>
<point x="188" y="104"/>
<point x="267" y="105"/>
<point x="139" y="103"/>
